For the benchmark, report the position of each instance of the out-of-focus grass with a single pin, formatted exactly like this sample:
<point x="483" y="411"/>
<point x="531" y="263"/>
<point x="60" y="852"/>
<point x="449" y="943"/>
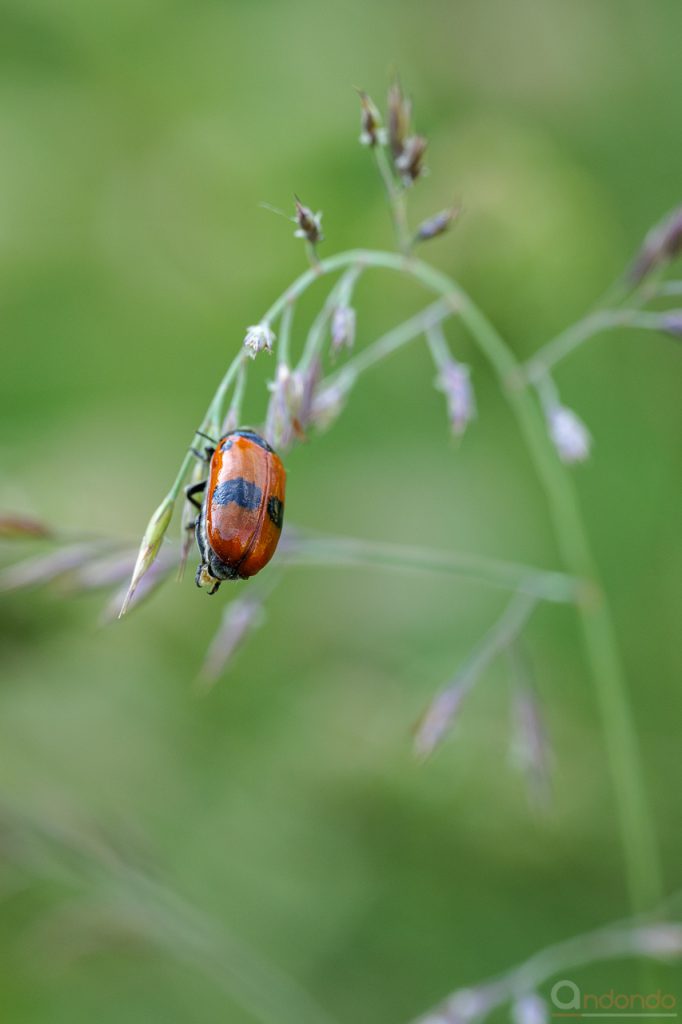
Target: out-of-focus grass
<point x="138" y="140"/>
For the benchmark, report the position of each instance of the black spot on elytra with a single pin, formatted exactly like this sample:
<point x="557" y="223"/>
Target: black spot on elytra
<point x="276" y="511"/>
<point x="242" y="492"/>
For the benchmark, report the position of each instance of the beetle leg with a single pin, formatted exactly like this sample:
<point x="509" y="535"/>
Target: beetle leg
<point x="192" y="489"/>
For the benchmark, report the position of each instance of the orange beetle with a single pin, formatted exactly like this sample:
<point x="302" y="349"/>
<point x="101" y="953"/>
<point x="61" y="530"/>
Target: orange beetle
<point x="240" y="519"/>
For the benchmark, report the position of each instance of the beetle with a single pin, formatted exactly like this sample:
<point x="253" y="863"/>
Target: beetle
<point x="240" y="517"/>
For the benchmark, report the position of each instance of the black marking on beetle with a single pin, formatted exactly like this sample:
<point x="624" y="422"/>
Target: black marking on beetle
<point x="276" y="511"/>
<point x="250" y="435"/>
<point x="215" y="567"/>
<point x="242" y="492"/>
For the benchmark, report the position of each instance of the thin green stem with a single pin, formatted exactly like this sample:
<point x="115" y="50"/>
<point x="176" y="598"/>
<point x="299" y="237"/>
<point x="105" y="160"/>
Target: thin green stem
<point x="311" y="253"/>
<point x="663" y="289"/>
<point x="182" y="473"/>
<point x="341" y="292"/>
<point x="438" y="346"/>
<point x="212" y="419"/>
<point x="441" y="712"/>
<point x="396" y="200"/>
<point x="390" y="342"/>
<point x="541" y="584"/>
<point x="637" y="833"/>
<point x="547" y="393"/>
<point x="636" y="938"/>
<point x="214" y="411"/>
<point x="233" y="416"/>
<point x="573" y="337"/>
<point x="284" y="340"/>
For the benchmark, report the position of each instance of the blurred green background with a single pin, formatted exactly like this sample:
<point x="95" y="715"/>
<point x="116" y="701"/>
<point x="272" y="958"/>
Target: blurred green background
<point x="138" y="139"/>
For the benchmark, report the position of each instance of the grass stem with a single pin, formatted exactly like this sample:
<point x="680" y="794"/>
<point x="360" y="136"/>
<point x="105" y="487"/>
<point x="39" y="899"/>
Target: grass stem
<point x="636" y="827"/>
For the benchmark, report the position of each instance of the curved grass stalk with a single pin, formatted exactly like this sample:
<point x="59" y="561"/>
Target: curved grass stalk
<point x="638" y="938"/>
<point x="390" y="342"/>
<point x="396" y="200"/>
<point x="540" y="584"/>
<point x="577" y="334"/>
<point x="636" y="830"/>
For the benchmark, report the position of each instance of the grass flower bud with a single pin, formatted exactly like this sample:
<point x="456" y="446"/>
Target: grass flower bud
<point x="410" y="163"/>
<point x="343" y="328"/>
<point x="285" y="406"/>
<point x="438" y="718"/>
<point x="259" y="338"/>
<point x="309" y="224"/>
<point x="436" y="225"/>
<point x="530" y="1009"/>
<point x="48" y="567"/>
<point x="570" y="436"/>
<point x="100" y="573"/>
<point x="454" y="380"/>
<point x="19" y="527"/>
<point x="529" y="747"/>
<point x="327" y="405"/>
<point x="662" y="244"/>
<point x="310" y="378"/>
<point x="466" y="1005"/>
<point x="156" y="575"/>
<point x="149" y="548"/>
<point x="241" y="617"/>
<point x="662" y="941"/>
<point x="671" y="323"/>
<point x="399" y="118"/>
<point x="372" y="133"/>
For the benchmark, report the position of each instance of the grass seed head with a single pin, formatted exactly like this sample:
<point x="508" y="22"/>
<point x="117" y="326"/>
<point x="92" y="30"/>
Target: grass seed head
<point x="410" y="163"/>
<point x="530" y="1009"/>
<point x="20" y="527"/>
<point x="259" y="338"/>
<point x="438" y="719"/>
<point x="284" y="410"/>
<point x="399" y="118"/>
<point x="149" y="548"/>
<point x="240" y="618"/>
<point x="671" y="323"/>
<point x="454" y="380"/>
<point x="372" y="132"/>
<point x="343" y="328"/>
<point x="436" y="225"/>
<point x="309" y="223"/>
<point x="570" y="436"/>
<point x="662" y="244"/>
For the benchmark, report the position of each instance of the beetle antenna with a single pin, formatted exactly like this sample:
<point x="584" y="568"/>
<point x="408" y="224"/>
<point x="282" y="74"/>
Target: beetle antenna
<point x="200" y="433"/>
